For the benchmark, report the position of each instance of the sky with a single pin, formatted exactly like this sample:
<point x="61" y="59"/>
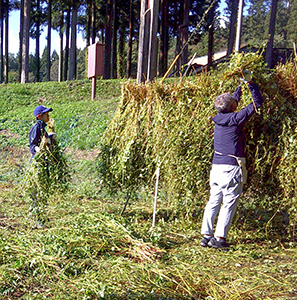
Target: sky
<point x="14" y="29"/>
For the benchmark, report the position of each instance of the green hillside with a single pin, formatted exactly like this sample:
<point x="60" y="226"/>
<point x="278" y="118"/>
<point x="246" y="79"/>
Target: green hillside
<point x="71" y="103"/>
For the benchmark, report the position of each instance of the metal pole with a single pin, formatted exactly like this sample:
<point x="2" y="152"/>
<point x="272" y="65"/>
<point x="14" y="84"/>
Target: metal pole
<point x="126" y="203"/>
<point x="189" y="65"/>
<point x="239" y="20"/>
<point x="156" y="194"/>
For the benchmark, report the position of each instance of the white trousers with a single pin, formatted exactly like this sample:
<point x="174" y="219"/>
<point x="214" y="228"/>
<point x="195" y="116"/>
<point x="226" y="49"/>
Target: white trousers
<point x="226" y="184"/>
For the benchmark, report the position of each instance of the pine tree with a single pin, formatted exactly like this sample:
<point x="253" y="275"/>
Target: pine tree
<point x="292" y="22"/>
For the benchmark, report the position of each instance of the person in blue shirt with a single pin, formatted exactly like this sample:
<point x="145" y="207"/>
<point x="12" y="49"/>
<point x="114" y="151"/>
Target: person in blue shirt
<point x="37" y="131"/>
<point x="228" y="173"/>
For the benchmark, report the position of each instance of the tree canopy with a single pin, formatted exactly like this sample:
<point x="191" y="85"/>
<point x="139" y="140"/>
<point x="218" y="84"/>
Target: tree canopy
<point x="122" y="35"/>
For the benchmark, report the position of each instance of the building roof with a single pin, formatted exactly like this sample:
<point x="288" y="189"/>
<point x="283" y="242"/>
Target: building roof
<point x="203" y="60"/>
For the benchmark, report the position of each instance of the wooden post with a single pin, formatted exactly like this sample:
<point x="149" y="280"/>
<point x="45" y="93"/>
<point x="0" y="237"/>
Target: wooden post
<point x="153" y="42"/>
<point x="239" y="20"/>
<point x="93" y="88"/>
<point x="95" y="64"/>
<point x="142" y="49"/>
<point x="147" y="50"/>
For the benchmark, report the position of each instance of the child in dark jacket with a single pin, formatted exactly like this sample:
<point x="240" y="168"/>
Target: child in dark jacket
<point x="37" y="131"/>
<point x="228" y="173"/>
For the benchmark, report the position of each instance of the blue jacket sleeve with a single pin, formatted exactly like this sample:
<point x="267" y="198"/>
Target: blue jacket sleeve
<point x="256" y="94"/>
<point x="34" y="138"/>
<point x="237" y="94"/>
<point x="245" y="114"/>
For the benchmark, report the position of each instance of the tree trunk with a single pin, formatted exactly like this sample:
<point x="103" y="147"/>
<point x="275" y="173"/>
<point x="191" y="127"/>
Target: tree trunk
<point x="129" y="54"/>
<point x="121" y="50"/>
<point x="6" y="40"/>
<point x="89" y="22"/>
<point x="114" y="40"/>
<point x="25" y="42"/>
<point x="233" y="19"/>
<point x="93" y="20"/>
<point x="108" y="41"/>
<point x="67" y="43"/>
<point x="1" y="42"/>
<point x="21" y="38"/>
<point x="49" y="38"/>
<point x="269" y="50"/>
<point x="72" y="57"/>
<point x="210" y="37"/>
<point x="37" y="54"/>
<point x="60" y="78"/>
<point x="184" y="30"/>
<point x="164" y="40"/>
<point x="178" y="39"/>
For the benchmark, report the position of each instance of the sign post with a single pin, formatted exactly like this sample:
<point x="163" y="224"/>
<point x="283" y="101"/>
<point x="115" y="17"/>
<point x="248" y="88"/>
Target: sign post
<point x="95" y="64"/>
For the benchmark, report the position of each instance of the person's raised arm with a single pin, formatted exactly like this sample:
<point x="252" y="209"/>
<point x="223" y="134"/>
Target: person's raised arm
<point x="237" y="94"/>
<point x="256" y="94"/>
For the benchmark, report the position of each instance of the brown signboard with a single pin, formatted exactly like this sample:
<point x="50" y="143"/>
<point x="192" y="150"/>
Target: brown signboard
<point x="95" y="60"/>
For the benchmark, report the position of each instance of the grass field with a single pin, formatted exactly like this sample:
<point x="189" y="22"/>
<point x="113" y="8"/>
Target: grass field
<point x="88" y="250"/>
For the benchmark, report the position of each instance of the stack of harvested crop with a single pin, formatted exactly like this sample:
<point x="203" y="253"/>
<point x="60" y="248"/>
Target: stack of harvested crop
<point x="47" y="173"/>
<point x="168" y="125"/>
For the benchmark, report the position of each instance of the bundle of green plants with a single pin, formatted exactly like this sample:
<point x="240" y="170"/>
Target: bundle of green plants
<point x="47" y="173"/>
<point x="286" y="78"/>
<point x="169" y="126"/>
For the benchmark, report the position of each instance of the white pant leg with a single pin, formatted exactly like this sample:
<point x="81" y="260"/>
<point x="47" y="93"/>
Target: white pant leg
<point x="230" y="202"/>
<point x="225" y="185"/>
<point x="213" y="205"/>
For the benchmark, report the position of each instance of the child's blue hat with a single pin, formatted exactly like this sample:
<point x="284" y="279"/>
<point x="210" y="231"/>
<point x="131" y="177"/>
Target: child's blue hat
<point x="41" y="109"/>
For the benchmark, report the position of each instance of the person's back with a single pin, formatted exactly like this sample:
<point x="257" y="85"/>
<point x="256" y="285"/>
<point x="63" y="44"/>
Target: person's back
<point x="228" y="133"/>
<point x="228" y="173"/>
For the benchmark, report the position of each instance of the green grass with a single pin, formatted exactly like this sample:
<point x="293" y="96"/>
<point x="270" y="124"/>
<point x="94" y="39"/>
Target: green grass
<point x="68" y="99"/>
<point x="89" y="251"/>
<point x="75" y="114"/>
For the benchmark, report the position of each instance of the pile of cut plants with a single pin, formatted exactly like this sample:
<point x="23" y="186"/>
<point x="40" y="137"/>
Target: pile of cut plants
<point x="47" y="173"/>
<point x="88" y="251"/>
<point x="168" y="126"/>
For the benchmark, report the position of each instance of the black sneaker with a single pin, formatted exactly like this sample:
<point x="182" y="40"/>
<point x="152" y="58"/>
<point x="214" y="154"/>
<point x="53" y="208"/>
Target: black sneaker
<point x="205" y="240"/>
<point x="221" y="244"/>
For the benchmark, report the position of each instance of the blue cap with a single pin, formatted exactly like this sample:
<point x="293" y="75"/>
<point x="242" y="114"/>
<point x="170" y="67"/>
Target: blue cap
<point x="41" y="109"/>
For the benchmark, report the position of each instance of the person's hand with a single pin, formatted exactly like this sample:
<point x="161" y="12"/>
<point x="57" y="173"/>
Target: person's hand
<point x="247" y="76"/>
<point x="52" y="138"/>
<point x="37" y="149"/>
<point x="52" y="135"/>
